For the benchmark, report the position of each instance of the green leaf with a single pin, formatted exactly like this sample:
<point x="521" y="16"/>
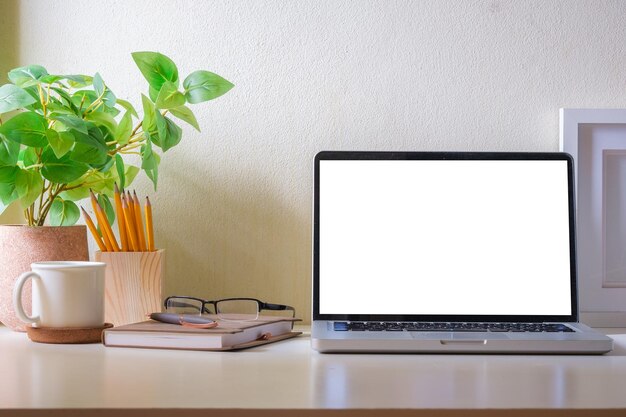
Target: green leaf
<point x="129" y="107"/>
<point x="78" y="81"/>
<point x="34" y="93"/>
<point x="61" y="170"/>
<point x="56" y="107"/>
<point x="71" y="122"/>
<point x="109" y="99"/>
<point x="8" y="174"/>
<point x="63" y="213"/>
<point x="130" y="174"/>
<point x="148" y="122"/>
<point x="92" y="179"/>
<point x="169" y="96"/>
<point x="121" y="174"/>
<point x="66" y="106"/>
<point x="27" y="76"/>
<point x="102" y="90"/>
<point x="76" y="194"/>
<point x="102" y="182"/>
<point x="7" y="195"/>
<point x="12" y="97"/>
<point x="204" y="85"/>
<point x="106" y="205"/>
<point x="83" y="99"/>
<point x="28" y="157"/>
<point x="50" y="79"/>
<point x="9" y="151"/>
<point x="106" y="166"/>
<point x="124" y="129"/>
<point x="98" y="84"/>
<point x="112" y="111"/>
<point x="171" y="136"/>
<point x="153" y="93"/>
<point x="108" y="136"/>
<point x="156" y="68"/>
<point x="90" y="148"/>
<point x="63" y="94"/>
<point x="28" y="184"/>
<point x="102" y="119"/>
<point x="26" y="128"/>
<point x="150" y="162"/>
<point x="161" y="129"/>
<point x="60" y="142"/>
<point x="185" y="114"/>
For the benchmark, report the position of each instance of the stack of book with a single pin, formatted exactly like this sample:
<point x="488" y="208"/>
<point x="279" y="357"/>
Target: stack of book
<point x="228" y="335"/>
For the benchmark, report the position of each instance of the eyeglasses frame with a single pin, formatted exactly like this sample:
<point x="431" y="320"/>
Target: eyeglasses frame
<point x="262" y="305"/>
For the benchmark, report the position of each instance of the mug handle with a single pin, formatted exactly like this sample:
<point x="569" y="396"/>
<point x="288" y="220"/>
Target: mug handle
<point x="17" y="297"/>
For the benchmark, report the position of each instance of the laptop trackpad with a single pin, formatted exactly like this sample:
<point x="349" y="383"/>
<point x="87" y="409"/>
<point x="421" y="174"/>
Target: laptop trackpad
<point x="458" y="336"/>
<point x="479" y="336"/>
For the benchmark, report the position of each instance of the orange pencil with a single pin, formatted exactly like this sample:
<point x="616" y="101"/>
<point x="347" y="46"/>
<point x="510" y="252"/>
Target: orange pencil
<point x="128" y="217"/>
<point x="105" y="236"/>
<point x="121" y="223"/>
<point x="149" y="226"/>
<point x="105" y="227"/>
<point x="129" y="201"/>
<point x="139" y="223"/>
<point x="94" y="231"/>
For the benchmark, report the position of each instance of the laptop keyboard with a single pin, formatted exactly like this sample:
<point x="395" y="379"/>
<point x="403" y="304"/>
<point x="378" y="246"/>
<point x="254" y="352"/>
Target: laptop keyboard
<point x="375" y="326"/>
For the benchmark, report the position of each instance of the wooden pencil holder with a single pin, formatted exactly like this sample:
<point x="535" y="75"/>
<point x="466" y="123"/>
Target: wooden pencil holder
<point x="133" y="285"/>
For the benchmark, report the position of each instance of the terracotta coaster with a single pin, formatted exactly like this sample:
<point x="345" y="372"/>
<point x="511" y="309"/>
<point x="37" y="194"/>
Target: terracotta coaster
<point x="66" y="334"/>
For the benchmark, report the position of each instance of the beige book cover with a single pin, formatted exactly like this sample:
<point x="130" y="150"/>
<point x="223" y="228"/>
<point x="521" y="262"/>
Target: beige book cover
<point x="228" y="335"/>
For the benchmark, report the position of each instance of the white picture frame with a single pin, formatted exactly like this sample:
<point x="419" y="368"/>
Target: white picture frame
<point x="596" y="138"/>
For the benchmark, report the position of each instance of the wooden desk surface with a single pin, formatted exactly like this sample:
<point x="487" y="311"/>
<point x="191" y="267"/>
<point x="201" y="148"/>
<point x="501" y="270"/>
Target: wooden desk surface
<point x="276" y="379"/>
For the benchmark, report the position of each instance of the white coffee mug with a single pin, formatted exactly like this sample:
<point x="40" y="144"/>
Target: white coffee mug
<point x="65" y="294"/>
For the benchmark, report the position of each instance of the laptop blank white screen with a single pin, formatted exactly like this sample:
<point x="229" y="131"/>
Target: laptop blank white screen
<point x="444" y="237"/>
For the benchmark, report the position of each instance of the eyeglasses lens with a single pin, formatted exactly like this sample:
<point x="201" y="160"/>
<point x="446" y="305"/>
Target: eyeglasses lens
<point x="184" y="306"/>
<point x="237" y="310"/>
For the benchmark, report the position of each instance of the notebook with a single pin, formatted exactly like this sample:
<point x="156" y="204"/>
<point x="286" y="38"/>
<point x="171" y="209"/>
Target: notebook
<point x="446" y="252"/>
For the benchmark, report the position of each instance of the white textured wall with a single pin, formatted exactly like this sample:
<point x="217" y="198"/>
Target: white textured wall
<point x="234" y="202"/>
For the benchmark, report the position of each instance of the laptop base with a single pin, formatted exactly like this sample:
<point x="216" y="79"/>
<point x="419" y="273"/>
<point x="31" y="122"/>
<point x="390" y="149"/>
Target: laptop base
<point x="583" y="341"/>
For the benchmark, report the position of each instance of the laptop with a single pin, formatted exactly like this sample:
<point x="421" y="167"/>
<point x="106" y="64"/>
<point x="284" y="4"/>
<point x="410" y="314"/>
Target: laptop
<point x="446" y="252"/>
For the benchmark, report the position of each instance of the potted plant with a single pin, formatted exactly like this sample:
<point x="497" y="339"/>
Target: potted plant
<point x="64" y="135"/>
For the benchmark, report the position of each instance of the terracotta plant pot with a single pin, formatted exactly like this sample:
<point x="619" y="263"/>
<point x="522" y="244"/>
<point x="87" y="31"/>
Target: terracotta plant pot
<point x="22" y="245"/>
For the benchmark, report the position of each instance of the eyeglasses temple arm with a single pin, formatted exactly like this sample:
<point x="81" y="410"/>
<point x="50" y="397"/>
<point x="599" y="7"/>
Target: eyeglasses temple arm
<point x="277" y="307"/>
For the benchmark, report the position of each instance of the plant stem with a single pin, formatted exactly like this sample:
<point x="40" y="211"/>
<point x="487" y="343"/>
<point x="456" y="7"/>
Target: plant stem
<point x="32" y="213"/>
<point x="28" y="213"/>
<point x="41" y="204"/>
<point x="43" y="102"/>
<point x="134" y="132"/>
<point x="80" y="108"/>
<point x="96" y="108"/>
<point x="43" y="190"/>
<point x="49" y="202"/>
<point x="136" y="137"/>
<point x="97" y="102"/>
<point x="130" y="147"/>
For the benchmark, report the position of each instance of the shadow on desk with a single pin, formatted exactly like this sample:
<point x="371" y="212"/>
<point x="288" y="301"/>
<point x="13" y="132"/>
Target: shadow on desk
<point x="175" y="412"/>
<point x="619" y="341"/>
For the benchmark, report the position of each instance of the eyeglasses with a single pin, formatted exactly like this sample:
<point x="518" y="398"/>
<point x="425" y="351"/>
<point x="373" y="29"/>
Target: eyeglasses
<point x="233" y="309"/>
